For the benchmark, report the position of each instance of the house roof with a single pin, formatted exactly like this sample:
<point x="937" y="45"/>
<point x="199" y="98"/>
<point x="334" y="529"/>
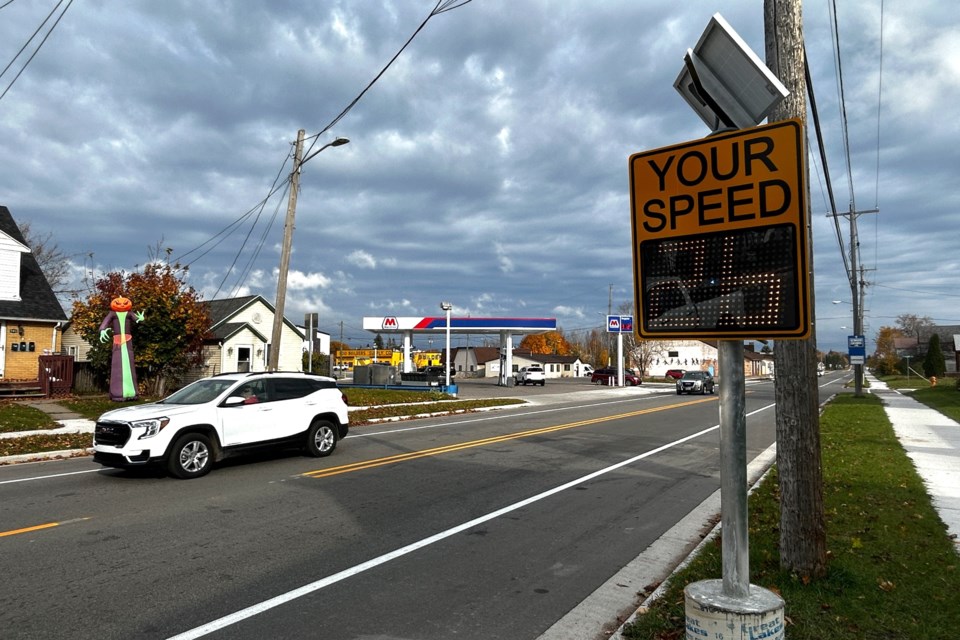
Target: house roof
<point x="37" y="300"/>
<point x="225" y="309"/>
<point x="756" y="355"/>
<point x="227" y="330"/>
<point x="489" y="354"/>
<point x="484" y="354"/>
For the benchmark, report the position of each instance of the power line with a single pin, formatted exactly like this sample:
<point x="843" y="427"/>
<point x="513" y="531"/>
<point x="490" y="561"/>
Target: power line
<point x="843" y="105"/>
<point x="915" y="292"/>
<point x="442" y="6"/>
<point x="29" y="40"/>
<point x="823" y="162"/>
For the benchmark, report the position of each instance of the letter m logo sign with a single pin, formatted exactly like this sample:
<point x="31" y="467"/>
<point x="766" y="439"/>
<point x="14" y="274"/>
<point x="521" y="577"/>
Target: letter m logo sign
<point x="390" y="323"/>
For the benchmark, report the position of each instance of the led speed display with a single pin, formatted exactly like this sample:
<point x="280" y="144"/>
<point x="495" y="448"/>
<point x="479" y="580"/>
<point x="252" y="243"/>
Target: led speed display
<point x="726" y="283"/>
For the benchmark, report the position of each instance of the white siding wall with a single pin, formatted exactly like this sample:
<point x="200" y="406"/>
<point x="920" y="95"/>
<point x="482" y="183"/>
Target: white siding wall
<point x="9" y="274"/>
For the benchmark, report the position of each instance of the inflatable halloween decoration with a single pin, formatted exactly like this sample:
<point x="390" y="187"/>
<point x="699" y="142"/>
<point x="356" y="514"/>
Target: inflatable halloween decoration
<point x="123" y="376"/>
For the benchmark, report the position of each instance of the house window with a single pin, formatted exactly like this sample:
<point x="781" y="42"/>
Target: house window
<point x="243" y="359"/>
<point x="566" y="367"/>
<point x="673" y="354"/>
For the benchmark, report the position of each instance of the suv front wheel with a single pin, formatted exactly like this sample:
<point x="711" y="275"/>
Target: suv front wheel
<point x="190" y="457"/>
<point x="321" y="438"/>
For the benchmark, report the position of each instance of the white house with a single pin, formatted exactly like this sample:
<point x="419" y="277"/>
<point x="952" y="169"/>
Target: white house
<point x="240" y="334"/>
<point x="31" y="317"/>
<point x="683" y="354"/>
<point x="486" y="362"/>
<point x="238" y="339"/>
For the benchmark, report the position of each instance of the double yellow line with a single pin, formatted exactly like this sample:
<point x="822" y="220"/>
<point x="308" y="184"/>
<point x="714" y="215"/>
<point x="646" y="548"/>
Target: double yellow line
<point x="413" y="455"/>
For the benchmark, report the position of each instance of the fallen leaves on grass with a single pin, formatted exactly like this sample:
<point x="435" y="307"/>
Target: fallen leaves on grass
<point x="44" y="443"/>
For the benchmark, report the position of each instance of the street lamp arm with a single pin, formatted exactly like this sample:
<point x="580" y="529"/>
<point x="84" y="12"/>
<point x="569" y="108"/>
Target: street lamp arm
<point x="336" y="143"/>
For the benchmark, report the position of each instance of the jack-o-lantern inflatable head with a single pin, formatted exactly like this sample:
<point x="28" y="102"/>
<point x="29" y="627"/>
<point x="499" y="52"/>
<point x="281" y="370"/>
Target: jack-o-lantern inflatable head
<point x="121" y="304"/>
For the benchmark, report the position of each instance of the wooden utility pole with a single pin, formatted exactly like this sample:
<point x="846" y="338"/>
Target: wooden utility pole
<point x="802" y="528"/>
<point x="273" y="362"/>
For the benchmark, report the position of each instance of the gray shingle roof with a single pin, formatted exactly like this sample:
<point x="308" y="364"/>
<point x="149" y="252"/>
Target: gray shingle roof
<point x="37" y="300"/>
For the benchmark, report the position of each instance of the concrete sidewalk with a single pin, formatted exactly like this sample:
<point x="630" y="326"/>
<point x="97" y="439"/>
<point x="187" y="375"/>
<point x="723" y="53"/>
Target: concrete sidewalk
<point x="70" y="422"/>
<point x="932" y="441"/>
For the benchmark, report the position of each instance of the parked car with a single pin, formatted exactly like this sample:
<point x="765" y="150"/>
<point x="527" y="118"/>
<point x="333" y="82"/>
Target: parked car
<point x="206" y="421"/>
<point x="608" y="375"/>
<point x="533" y="374"/>
<point x="437" y="370"/>
<point x="586" y="370"/>
<point x="695" y="382"/>
<point x="675" y="374"/>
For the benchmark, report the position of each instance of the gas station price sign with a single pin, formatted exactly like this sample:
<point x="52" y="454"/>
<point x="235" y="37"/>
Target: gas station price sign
<point x="720" y="237"/>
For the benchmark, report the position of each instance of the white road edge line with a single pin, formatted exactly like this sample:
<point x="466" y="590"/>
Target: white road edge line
<point x="55" y="475"/>
<point x="276" y="601"/>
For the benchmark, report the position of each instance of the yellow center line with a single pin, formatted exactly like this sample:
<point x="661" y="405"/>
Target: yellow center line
<point x="413" y="455"/>
<point x="29" y="529"/>
<point x="39" y="527"/>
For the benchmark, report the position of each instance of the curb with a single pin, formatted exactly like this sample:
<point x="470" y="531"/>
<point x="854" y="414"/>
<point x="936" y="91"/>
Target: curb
<point x="43" y="456"/>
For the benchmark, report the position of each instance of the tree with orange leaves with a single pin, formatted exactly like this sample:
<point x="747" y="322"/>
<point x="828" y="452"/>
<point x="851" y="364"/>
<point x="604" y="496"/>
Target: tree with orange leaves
<point x="170" y="337"/>
<point x="551" y="342"/>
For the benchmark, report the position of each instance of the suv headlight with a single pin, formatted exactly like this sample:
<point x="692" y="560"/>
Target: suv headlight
<point x="151" y="427"/>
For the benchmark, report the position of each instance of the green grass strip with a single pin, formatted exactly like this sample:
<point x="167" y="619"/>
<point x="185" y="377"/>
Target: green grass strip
<point x="892" y="572"/>
<point x="15" y="416"/>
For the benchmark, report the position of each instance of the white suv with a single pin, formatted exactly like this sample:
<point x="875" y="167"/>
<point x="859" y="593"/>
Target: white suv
<point x="530" y="375"/>
<point x="214" y="417"/>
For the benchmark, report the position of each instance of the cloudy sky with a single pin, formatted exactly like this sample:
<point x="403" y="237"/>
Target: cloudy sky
<point x="487" y="166"/>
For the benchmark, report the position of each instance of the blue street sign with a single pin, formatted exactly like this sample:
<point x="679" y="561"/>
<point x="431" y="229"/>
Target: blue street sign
<point x="613" y="324"/>
<point x="857" y="349"/>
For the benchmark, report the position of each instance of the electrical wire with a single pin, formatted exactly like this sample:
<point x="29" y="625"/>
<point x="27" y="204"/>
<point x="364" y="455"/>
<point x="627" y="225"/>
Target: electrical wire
<point x="248" y="268"/>
<point x="876" y="221"/>
<point x="876" y="194"/>
<point x="843" y="108"/>
<point x="442" y="6"/>
<point x="27" y="43"/>
<point x="823" y="162"/>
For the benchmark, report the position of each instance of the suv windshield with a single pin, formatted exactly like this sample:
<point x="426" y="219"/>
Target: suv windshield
<point x="199" y="392"/>
<point x="694" y="375"/>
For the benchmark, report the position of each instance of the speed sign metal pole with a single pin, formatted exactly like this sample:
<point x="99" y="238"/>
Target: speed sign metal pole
<point x="733" y="470"/>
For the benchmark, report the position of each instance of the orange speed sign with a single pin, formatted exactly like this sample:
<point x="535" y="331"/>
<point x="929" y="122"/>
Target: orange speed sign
<point x="720" y="236"/>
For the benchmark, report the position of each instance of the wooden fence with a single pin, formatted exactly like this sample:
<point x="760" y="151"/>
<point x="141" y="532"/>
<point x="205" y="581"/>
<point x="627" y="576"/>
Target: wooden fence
<point x="56" y="376"/>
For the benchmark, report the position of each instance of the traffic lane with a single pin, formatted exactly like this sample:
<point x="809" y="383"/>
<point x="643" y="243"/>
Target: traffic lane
<point x="240" y="532"/>
<point x="514" y="575"/>
<point x="155" y="541"/>
<point x="50" y="497"/>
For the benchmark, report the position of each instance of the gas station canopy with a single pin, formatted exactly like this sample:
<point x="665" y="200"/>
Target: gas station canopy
<point x="392" y="324"/>
<point x="432" y="325"/>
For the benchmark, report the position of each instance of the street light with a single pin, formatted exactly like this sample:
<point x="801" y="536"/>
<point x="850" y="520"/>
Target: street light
<point x="274" y="359"/>
<point x="446" y="306"/>
<point x="339" y="142"/>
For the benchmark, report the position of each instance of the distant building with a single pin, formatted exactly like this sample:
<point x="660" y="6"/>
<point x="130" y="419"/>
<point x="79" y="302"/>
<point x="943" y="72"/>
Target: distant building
<point x="486" y="362"/>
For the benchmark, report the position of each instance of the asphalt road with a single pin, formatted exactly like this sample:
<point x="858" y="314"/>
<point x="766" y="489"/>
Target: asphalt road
<point x="488" y="525"/>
